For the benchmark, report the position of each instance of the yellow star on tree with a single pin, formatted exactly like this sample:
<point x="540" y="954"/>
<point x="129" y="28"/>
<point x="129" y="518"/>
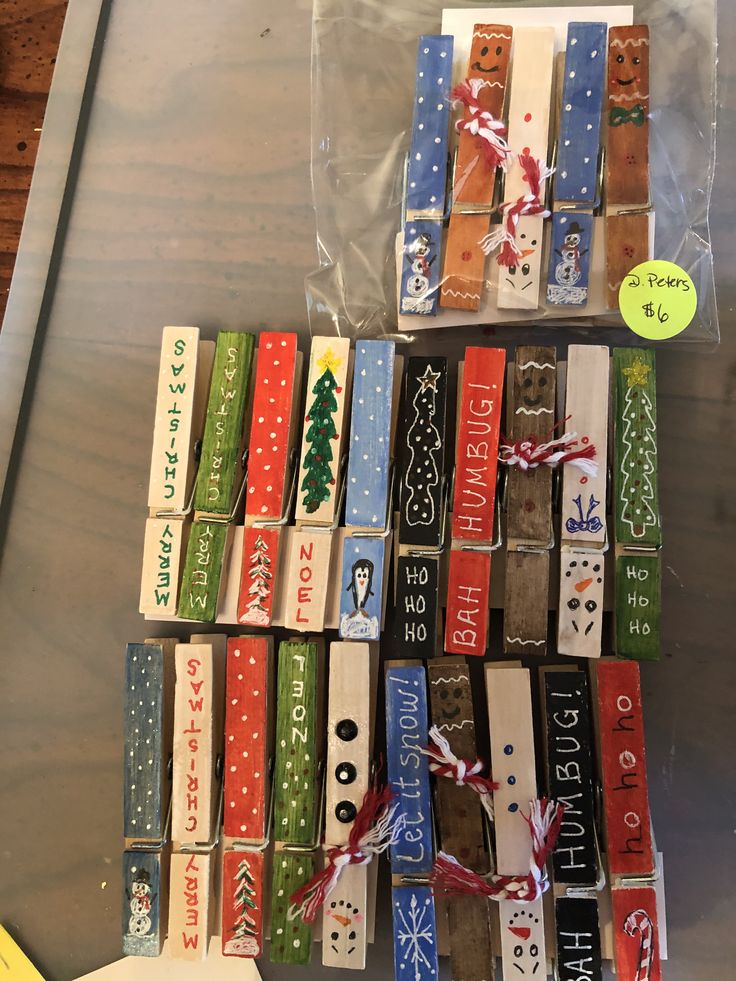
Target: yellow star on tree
<point x="637" y="374"/>
<point x="329" y="361"/>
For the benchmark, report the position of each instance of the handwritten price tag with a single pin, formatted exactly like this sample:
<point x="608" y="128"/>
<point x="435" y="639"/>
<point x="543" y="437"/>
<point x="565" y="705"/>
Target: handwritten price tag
<point x="658" y="300"/>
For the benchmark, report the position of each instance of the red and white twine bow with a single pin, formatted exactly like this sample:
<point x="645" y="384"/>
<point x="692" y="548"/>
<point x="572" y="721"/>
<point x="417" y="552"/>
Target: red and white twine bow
<point x="444" y="763"/>
<point x="453" y="879"/>
<point x="375" y="828"/>
<point x="527" y="454"/>
<point x="536" y="173"/>
<point x="481" y="123"/>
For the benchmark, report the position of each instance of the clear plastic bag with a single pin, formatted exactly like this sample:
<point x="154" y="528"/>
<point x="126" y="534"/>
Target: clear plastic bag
<point x="363" y="75"/>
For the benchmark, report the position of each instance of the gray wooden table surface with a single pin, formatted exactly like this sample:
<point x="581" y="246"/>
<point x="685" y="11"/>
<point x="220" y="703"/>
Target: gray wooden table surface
<point x="192" y="205"/>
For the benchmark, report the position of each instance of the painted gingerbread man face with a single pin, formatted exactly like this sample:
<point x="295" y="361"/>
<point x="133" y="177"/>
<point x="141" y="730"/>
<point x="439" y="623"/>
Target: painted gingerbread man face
<point x="628" y="65"/>
<point x="490" y="53"/>
<point x="534" y="388"/>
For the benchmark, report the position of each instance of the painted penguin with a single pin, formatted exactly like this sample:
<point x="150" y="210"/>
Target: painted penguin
<point x="360" y="585"/>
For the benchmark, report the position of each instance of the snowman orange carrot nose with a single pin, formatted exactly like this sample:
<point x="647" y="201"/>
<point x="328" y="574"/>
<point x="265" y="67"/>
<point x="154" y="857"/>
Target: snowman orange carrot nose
<point x="583" y="585"/>
<point x="525" y="253"/>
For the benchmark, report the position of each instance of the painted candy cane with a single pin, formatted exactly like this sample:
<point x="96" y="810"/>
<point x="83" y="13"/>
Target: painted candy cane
<point x="639" y="922"/>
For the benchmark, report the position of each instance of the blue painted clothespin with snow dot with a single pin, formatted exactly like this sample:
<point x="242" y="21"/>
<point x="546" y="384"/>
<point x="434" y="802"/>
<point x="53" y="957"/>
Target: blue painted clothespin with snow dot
<point x="426" y="177"/>
<point x="368" y="494"/>
<point x="577" y="184"/>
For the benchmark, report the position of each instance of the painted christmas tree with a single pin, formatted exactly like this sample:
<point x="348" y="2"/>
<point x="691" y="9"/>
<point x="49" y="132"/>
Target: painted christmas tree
<point x="637" y="465"/>
<point x="319" y="478"/>
<point x="422" y="475"/>
<point x="245" y="932"/>
<point x="260" y="588"/>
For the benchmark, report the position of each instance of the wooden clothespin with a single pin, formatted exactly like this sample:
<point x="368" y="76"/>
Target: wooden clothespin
<point x="365" y="556"/>
<point x="460" y="820"/>
<point x="513" y="767"/>
<point x="423" y="503"/>
<point x="345" y="917"/>
<point x="632" y="864"/>
<point x="249" y="704"/>
<point x="412" y="901"/>
<point x="219" y="482"/>
<point x="297" y="793"/>
<point x="427" y="177"/>
<point x="638" y="531"/>
<point x="630" y="221"/>
<point x="569" y="771"/>
<point x="196" y="804"/>
<point x="473" y="512"/>
<point x="320" y="484"/>
<point x="530" y="536"/>
<point x="183" y="383"/>
<point x="267" y="496"/>
<point x="584" y="537"/>
<point x="478" y="159"/>
<point x="521" y="233"/>
<point x="577" y="185"/>
<point x="148" y="729"/>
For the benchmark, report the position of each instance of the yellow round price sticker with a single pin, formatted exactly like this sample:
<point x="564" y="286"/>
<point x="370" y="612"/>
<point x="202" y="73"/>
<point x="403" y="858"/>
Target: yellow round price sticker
<point x="658" y="300"/>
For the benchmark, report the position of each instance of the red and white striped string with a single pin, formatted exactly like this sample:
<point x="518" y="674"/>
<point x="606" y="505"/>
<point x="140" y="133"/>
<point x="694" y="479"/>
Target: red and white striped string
<point x="528" y="454"/>
<point x="444" y="763"/>
<point x="536" y="173"/>
<point x="453" y="879"/>
<point x="376" y="827"/>
<point x="481" y="123"/>
<point x="639" y="922"/>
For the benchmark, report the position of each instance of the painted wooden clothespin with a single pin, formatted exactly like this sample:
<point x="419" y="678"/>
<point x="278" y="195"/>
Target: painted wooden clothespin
<point x="460" y="817"/>
<point x="576" y="181"/>
<point x="575" y="861"/>
<point x="632" y="863"/>
<point x="344" y="910"/>
<point x="423" y="505"/>
<point x="513" y="766"/>
<point x="369" y="482"/>
<point x="629" y="221"/>
<point x="270" y="477"/>
<point x="411" y="857"/>
<point x="426" y="177"/>
<point x="521" y="233"/>
<point x="183" y="383"/>
<point x="249" y="703"/>
<point x="528" y="453"/>
<point x="584" y="537"/>
<point x="196" y="804"/>
<point x="474" y="533"/>
<point x="481" y="150"/>
<point x="638" y="531"/>
<point x="297" y="793"/>
<point x="219" y="484"/>
<point x="148" y="728"/>
<point x="320" y="486"/>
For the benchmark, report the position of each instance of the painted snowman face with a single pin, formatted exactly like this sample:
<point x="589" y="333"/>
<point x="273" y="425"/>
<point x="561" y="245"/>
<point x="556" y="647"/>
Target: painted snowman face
<point x="345" y="921"/>
<point x="520" y="277"/>
<point x="585" y="580"/>
<point x="140" y="889"/>
<point x="524" y="926"/>
<point x="572" y="241"/>
<point x="417" y="286"/>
